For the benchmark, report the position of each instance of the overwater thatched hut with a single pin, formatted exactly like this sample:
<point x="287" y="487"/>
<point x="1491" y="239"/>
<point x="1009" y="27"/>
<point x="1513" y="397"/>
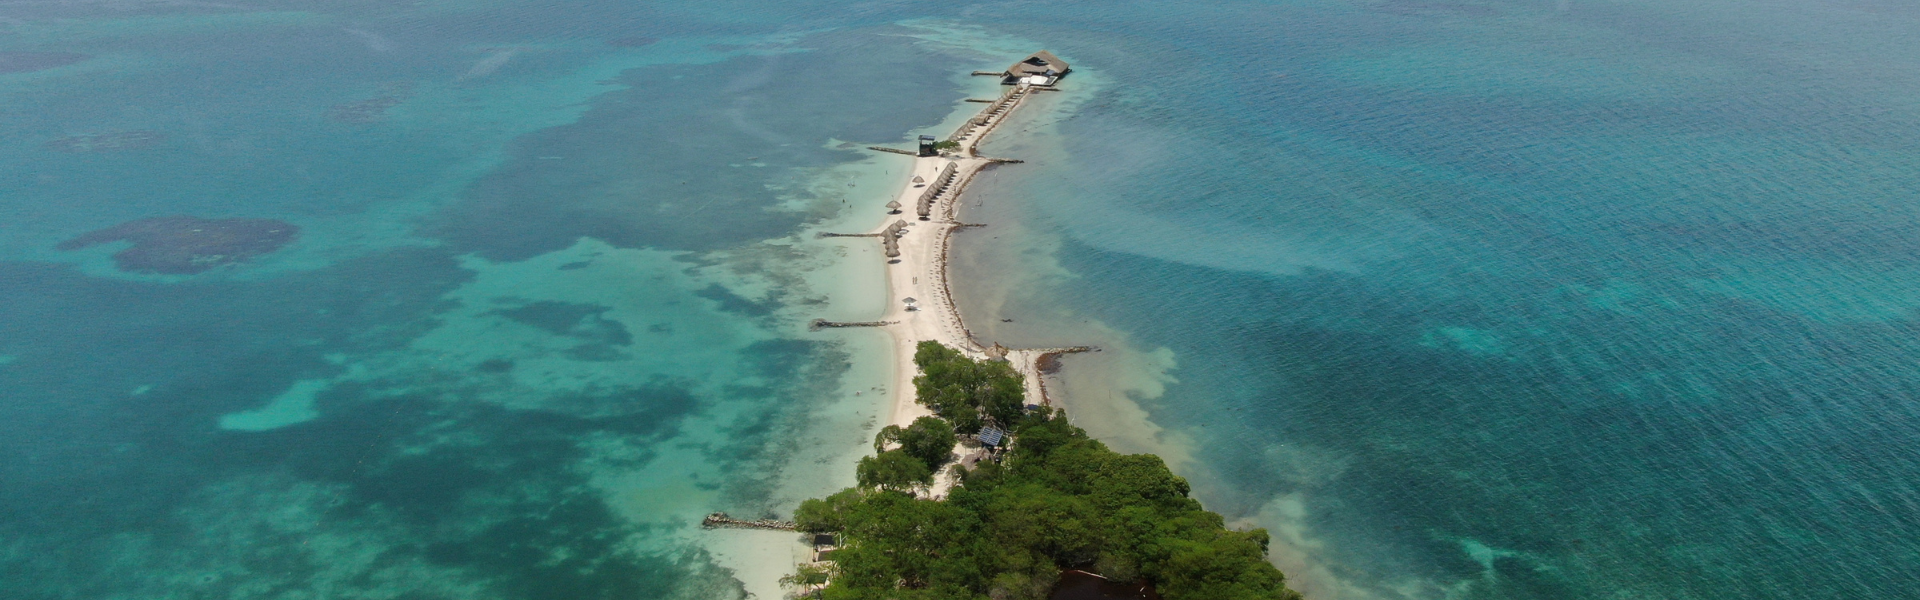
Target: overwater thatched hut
<point x="1043" y="65"/>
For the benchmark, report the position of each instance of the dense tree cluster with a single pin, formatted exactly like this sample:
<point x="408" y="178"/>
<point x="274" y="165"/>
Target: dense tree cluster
<point x="925" y="446"/>
<point x="1060" y="500"/>
<point x="968" y="393"/>
<point x="893" y="470"/>
<point x="929" y="439"/>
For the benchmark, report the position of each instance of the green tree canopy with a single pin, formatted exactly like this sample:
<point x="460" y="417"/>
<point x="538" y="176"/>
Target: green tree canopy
<point x="929" y="439"/>
<point x="1061" y="500"/>
<point x="969" y="393"/>
<point x="892" y="470"/>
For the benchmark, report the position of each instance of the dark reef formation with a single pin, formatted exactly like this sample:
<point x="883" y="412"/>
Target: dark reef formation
<point x="373" y="109"/>
<point x="632" y="41"/>
<point x="107" y="141"/>
<point x="23" y="62"/>
<point x="186" y="245"/>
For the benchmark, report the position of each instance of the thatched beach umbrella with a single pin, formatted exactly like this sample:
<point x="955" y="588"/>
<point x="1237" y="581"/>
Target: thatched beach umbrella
<point x="909" y="301"/>
<point x="919" y="179"/>
<point x="893" y="207"/>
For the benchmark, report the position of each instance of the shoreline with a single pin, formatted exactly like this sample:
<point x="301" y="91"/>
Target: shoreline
<point x="920" y="272"/>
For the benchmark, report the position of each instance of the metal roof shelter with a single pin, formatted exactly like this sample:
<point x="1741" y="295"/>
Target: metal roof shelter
<point x="992" y="436"/>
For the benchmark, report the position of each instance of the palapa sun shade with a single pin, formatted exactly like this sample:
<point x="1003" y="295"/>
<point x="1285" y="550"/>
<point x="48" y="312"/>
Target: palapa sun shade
<point x="919" y="179"/>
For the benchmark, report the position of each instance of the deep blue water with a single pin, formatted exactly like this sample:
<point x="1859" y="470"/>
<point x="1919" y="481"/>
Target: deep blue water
<point x="1521" y="300"/>
<point x="1516" y="299"/>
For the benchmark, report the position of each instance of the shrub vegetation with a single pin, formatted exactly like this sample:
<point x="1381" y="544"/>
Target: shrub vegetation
<point x="1058" y="500"/>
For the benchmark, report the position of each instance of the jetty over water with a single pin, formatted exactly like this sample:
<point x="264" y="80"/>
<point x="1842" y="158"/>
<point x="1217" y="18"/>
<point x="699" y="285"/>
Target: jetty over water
<point x="818" y="324"/>
<point x="721" y="519"/>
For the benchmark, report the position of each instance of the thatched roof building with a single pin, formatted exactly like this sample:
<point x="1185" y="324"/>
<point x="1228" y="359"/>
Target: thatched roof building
<point x="1042" y="63"/>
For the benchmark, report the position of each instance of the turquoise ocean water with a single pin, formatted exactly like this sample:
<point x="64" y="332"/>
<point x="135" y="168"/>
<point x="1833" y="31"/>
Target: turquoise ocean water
<point x="1461" y="299"/>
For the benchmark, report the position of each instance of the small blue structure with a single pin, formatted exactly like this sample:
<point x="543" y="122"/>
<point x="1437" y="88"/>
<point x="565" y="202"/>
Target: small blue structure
<point x="992" y="436"/>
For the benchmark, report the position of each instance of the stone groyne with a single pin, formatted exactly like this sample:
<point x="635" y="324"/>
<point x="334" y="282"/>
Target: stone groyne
<point x="721" y="519"/>
<point x="819" y="324"/>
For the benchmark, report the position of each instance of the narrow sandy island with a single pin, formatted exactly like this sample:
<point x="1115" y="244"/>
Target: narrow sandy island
<point x="920" y="303"/>
<point x="919" y="307"/>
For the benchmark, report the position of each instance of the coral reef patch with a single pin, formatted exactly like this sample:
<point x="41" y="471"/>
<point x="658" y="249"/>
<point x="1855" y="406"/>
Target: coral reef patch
<point x="185" y="245"/>
<point x="23" y="62"/>
<point x="373" y="109"/>
<point x="107" y="141"/>
<point x="632" y="41"/>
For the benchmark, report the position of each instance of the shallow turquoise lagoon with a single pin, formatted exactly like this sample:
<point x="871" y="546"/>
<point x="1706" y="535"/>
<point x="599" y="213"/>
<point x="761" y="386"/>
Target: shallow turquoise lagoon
<point x="1525" y="300"/>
